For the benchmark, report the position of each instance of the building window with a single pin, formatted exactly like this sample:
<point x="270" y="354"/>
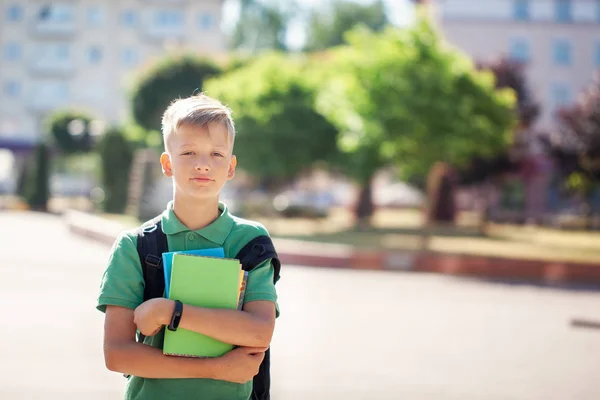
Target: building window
<point x="129" y="57"/>
<point x="129" y="18"/>
<point x="94" y="55"/>
<point x="519" y="50"/>
<point x="205" y="21"/>
<point x="561" y="53"/>
<point x="14" y="13"/>
<point x="12" y="89"/>
<point x="51" y="92"/>
<point x="53" y="54"/>
<point x="58" y="13"/>
<point x="521" y="10"/>
<point x="12" y="51"/>
<point x="169" y="19"/>
<point x="560" y="95"/>
<point x="563" y="11"/>
<point x="94" y="16"/>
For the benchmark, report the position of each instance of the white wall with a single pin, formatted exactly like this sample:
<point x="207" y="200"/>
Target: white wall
<point x="540" y="10"/>
<point x="489" y="9"/>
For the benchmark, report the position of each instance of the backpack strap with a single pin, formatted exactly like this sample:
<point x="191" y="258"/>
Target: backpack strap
<point x="261" y="383"/>
<point x="151" y="243"/>
<point x="255" y="252"/>
<point x="258" y="250"/>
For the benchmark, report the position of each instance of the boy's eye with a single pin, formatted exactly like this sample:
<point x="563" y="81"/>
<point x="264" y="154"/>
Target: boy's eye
<point x="217" y="154"/>
<point x="187" y="153"/>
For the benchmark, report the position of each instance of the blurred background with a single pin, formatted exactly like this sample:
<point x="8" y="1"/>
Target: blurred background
<point x="357" y="105"/>
<point x="455" y="137"/>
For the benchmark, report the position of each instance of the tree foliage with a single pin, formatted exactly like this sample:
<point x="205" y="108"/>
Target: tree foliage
<point x="37" y="186"/>
<point x="575" y="145"/>
<point x="580" y="126"/>
<point x="508" y="74"/>
<point x="57" y="125"/>
<point x="279" y="133"/>
<point x="511" y="74"/>
<point x="262" y="25"/>
<point x="400" y="97"/>
<point x="116" y="155"/>
<point x="326" y="27"/>
<point x="169" y="79"/>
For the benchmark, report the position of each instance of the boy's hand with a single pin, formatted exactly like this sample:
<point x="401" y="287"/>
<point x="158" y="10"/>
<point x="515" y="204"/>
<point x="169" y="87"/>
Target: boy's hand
<point x="241" y="364"/>
<point x="151" y="315"/>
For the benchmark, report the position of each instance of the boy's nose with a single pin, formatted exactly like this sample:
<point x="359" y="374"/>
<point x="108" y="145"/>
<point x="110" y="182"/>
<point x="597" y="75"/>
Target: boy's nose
<point x="202" y="165"/>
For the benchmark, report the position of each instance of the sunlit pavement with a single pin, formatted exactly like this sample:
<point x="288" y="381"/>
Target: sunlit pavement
<point x="342" y="334"/>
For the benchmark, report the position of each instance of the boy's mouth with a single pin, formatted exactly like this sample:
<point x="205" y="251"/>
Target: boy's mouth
<point x="201" y="179"/>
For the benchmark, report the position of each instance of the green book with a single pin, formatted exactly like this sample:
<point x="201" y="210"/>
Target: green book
<point x="204" y="282"/>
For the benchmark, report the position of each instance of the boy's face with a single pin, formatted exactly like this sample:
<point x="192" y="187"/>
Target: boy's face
<point x="199" y="159"/>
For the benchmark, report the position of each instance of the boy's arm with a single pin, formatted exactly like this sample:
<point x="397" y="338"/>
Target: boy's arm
<point x="251" y="327"/>
<point x="123" y="354"/>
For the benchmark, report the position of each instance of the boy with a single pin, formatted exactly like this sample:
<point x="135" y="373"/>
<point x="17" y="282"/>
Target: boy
<point x="198" y="136"/>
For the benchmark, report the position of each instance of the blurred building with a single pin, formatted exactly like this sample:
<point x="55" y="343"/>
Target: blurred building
<point x="83" y="53"/>
<point x="558" y="39"/>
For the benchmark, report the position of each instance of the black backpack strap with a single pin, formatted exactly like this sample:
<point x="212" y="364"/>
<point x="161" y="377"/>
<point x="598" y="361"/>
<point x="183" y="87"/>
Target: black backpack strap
<point x="261" y="384"/>
<point x="255" y="252"/>
<point x="151" y="243"/>
<point x="258" y="250"/>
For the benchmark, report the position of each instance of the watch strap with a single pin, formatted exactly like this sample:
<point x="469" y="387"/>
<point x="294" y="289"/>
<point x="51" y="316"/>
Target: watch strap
<point x="176" y="317"/>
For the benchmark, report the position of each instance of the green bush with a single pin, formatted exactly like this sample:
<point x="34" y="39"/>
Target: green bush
<point x="37" y="186"/>
<point x="57" y="125"/>
<point x="169" y="79"/>
<point x="116" y="154"/>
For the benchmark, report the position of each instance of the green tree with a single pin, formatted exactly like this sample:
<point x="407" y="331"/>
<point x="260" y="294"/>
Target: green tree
<point x="116" y="154"/>
<point x="59" y="126"/>
<point x="171" y="78"/>
<point x="402" y="98"/>
<point x="262" y="25"/>
<point x="279" y="133"/>
<point x="327" y="26"/>
<point x="37" y="187"/>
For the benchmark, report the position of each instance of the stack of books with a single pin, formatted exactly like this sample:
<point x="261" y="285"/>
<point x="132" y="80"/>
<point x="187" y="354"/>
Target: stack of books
<point x="205" y="279"/>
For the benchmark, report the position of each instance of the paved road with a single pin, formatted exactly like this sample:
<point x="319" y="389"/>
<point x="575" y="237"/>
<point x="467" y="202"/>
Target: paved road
<point x="342" y="334"/>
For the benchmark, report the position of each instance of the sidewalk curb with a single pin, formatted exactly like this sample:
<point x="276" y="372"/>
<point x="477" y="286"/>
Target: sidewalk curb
<point x="345" y="256"/>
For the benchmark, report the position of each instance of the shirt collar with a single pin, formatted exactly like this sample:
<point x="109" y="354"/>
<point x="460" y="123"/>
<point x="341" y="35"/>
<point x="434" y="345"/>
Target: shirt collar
<point x="216" y="232"/>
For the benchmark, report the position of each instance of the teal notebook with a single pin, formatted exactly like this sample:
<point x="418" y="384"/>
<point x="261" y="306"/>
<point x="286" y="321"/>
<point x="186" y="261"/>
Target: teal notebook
<point x="168" y="261"/>
<point x="204" y="282"/>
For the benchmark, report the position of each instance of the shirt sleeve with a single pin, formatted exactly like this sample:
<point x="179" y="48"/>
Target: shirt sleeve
<point x="123" y="281"/>
<point x="260" y="285"/>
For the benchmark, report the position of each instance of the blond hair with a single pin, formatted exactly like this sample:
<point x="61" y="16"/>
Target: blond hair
<point x="199" y="110"/>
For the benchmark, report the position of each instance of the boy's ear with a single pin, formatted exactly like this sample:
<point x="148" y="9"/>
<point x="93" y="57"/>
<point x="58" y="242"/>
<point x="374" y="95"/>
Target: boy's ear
<point x="165" y="162"/>
<point x="232" y="165"/>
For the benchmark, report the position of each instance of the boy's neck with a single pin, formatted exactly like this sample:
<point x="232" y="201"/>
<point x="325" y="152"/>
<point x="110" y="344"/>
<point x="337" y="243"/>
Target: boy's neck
<point x="196" y="214"/>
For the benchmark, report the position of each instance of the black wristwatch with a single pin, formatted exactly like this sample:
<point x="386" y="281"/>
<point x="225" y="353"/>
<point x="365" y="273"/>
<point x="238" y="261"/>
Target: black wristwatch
<point x="176" y="317"/>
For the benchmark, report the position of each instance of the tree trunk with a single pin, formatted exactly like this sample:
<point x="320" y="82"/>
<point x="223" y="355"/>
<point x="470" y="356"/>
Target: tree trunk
<point x="441" y="207"/>
<point x="364" y="208"/>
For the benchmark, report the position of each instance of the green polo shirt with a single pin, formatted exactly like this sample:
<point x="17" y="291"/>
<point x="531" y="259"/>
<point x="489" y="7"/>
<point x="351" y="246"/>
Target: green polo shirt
<point x="123" y="285"/>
